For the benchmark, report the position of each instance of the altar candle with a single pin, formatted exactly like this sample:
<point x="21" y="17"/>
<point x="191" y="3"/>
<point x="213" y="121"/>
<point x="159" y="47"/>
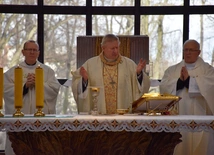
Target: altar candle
<point x="39" y="86"/>
<point x="1" y="87"/>
<point x="18" y="87"/>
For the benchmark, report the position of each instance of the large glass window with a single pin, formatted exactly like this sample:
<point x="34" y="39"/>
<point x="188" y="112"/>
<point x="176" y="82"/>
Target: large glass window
<point x="201" y="29"/>
<point x="113" y="2"/>
<point x="165" y="36"/>
<point x="201" y="2"/>
<point x="65" y="2"/>
<point x="161" y="2"/>
<point x="121" y="25"/>
<point x="15" y="29"/>
<point x="19" y="2"/>
<point x="60" y="44"/>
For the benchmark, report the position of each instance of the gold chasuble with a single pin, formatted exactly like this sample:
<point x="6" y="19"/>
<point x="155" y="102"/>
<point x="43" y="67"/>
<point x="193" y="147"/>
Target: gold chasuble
<point x="110" y="79"/>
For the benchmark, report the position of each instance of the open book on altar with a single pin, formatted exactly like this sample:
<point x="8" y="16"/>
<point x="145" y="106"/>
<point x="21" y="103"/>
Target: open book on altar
<point x="155" y="103"/>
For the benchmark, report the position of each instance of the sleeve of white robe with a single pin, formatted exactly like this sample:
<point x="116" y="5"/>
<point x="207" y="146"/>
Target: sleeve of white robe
<point x="76" y="81"/>
<point x="205" y="83"/>
<point x="51" y="89"/>
<point x="82" y="98"/>
<point x="145" y="83"/>
<point x="9" y="91"/>
<point x="169" y="81"/>
<point x="134" y="88"/>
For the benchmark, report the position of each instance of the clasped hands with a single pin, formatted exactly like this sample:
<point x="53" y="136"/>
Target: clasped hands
<point x="30" y="83"/>
<point x="184" y="73"/>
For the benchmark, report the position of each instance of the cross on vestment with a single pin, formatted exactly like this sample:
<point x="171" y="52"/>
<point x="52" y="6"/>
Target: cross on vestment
<point x="112" y="83"/>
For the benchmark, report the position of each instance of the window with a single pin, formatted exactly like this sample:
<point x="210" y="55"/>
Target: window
<point x="65" y="2"/>
<point x="117" y="24"/>
<point x="165" y="33"/>
<point x="161" y="2"/>
<point x="19" y="2"/>
<point x="202" y="30"/>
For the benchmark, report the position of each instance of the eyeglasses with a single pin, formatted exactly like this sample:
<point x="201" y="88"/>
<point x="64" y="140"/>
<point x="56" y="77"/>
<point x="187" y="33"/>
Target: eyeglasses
<point x="31" y="50"/>
<point x="189" y="50"/>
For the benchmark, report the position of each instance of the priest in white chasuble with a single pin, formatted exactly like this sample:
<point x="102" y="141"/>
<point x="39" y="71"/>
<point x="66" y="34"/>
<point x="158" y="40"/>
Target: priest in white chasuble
<point x="193" y="80"/>
<point x="120" y="80"/>
<point x="51" y="86"/>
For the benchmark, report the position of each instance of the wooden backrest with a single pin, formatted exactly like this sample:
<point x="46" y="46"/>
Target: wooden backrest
<point x="134" y="47"/>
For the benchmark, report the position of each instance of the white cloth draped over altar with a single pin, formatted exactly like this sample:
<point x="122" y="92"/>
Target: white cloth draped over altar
<point x="190" y="123"/>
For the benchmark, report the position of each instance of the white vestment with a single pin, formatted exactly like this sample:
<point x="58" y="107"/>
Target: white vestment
<point x="128" y="91"/>
<point x="51" y="89"/>
<point x="200" y="143"/>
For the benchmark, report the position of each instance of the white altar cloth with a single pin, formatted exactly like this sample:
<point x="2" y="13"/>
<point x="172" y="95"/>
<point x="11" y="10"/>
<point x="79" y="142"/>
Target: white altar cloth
<point x="191" y="123"/>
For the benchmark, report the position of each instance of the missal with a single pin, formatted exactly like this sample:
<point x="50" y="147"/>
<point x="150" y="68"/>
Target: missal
<point x="156" y="104"/>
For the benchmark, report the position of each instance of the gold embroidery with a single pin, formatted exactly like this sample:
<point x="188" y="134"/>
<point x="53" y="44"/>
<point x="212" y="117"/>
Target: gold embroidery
<point x="110" y="85"/>
<point x="112" y="82"/>
<point x="110" y="63"/>
<point x="110" y="78"/>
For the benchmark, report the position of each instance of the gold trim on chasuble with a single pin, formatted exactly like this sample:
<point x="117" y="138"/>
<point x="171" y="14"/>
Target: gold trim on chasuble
<point x="110" y="80"/>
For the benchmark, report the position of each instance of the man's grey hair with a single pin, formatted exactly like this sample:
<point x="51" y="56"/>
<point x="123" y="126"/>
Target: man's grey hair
<point x="30" y="41"/>
<point x="193" y="41"/>
<point x="109" y="38"/>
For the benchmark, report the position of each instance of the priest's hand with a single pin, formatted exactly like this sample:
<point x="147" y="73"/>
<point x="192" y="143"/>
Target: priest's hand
<point x="30" y="80"/>
<point x="181" y="76"/>
<point x="84" y="73"/>
<point x="184" y="74"/>
<point x="140" y="66"/>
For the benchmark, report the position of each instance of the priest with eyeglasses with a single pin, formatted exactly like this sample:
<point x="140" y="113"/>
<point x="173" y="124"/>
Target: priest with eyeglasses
<point x="51" y="86"/>
<point x="193" y="80"/>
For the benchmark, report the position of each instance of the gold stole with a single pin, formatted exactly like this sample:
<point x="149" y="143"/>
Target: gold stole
<point x="110" y="79"/>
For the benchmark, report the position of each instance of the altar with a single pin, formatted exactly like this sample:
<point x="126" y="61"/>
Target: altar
<point x="102" y="134"/>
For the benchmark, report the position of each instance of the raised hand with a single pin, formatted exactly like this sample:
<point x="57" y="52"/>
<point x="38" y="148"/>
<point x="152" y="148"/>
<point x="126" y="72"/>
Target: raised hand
<point x="84" y="73"/>
<point x="140" y="66"/>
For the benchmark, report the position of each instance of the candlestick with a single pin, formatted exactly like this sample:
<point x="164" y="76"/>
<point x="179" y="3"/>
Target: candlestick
<point x="1" y="90"/>
<point x="18" y="90"/>
<point x="39" y="86"/>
